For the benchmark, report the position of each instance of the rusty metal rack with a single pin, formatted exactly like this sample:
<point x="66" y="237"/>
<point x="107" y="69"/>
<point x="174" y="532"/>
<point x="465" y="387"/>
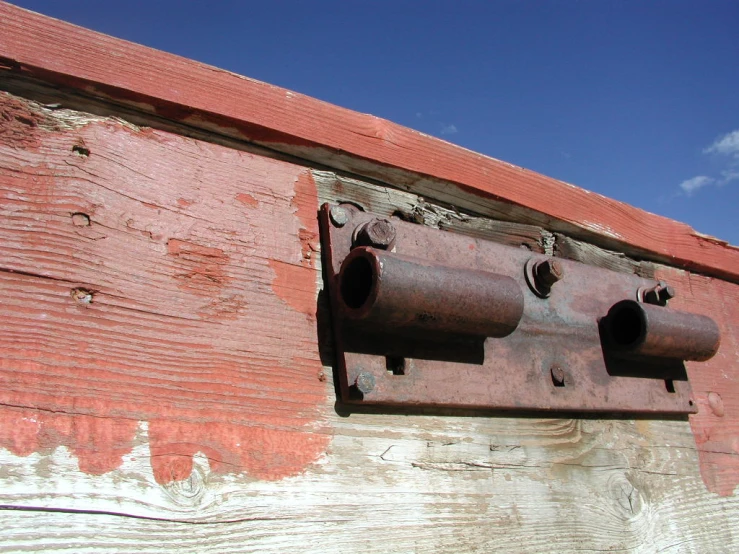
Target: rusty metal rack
<point x="424" y="317"/>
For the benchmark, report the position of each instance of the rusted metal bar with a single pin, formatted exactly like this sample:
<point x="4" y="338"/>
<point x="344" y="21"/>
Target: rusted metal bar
<point x="391" y="290"/>
<point x="636" y="329"/>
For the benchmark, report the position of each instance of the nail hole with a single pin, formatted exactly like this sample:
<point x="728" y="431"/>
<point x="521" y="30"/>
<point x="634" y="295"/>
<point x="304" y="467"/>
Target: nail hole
<point x="669" y="385"/>
<point x="82" y="296"/>
<point x="690" y="402"/>
<point x="395" y="365"/>
<point x="80" y="220"/>
<point x="81" y="150"/>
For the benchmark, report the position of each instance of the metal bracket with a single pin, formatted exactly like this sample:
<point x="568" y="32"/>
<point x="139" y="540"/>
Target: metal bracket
<point x="424" y="317"/>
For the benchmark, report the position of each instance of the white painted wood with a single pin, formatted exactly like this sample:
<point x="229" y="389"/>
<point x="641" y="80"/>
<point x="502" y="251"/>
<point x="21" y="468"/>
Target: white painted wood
<point x="393" y="484"/>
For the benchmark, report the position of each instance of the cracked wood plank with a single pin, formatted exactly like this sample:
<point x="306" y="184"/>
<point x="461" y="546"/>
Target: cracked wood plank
<point x="163" y="389"/>
<point x="208" y="98"/>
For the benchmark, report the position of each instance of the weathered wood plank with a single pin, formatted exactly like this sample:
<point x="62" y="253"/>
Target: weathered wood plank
<point x="716" y="382"/>
<point x="143" y="271"/>
<point x="388" y="202"/>
<point x="203" y="96"/>
<point x="187" y="406"/>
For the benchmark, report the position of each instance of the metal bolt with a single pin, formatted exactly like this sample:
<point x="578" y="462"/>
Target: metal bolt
<point x="548" y="272"/>
<point x="379" y="233"/>
<point x="659" y="294"/>
<point x="558" y="376"/>
<point x="339" y="216"/>
<point x="365" y="382"/>
<point x="666" y="292"/>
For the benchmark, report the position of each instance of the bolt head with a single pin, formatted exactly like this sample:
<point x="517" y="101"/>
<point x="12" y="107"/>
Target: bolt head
<point x="339" y="216"/>
<point x="658" y="294"/>
<point x="378" y="233"/>
<point x="558" y="375"/>
<point x="548" y="272"/>
<point x="365" y="382"/>
<point x="666" y="293"/>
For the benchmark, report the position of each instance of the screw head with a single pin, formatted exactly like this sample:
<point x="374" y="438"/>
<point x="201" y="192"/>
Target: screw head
<point x="365" y="382"/>
<point x="339" y="216"/>
<point x="558" y="376"/>
<point x="378" y="233"/>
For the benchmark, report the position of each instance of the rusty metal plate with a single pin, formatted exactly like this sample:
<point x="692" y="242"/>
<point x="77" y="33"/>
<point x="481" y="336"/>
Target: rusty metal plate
<point x="556" y="357"/>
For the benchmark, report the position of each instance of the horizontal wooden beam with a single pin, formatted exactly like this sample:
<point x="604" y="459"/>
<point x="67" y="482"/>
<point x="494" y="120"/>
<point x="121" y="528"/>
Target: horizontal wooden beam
<point x="207" y="97"/>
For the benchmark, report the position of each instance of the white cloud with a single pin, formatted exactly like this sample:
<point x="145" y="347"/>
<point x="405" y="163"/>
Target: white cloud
<point x="448" y="129"/>
<point x="689" y="186"/>
<point x="727" y="145"/>
<point x="728" y="175"/>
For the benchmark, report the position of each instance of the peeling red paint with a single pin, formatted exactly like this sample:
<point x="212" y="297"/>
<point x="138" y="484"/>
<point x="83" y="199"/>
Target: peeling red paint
<point x="247" y="200"/>
<point x="305" y="201"/>
<point x="267" y="454"/>
<point x="716" y="431"/>
<point x="182" y="333"/>
<point x="292" y="285"/>
<point x="98" y="443"/>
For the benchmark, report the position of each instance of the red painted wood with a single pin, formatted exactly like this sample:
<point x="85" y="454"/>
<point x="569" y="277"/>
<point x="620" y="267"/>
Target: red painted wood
<point x="715" y="384"/>
<point x="188" y="91"/>
<point x="188" y="302"/>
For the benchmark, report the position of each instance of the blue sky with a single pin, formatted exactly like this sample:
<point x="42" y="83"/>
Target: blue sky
<point x="635" y="100"/>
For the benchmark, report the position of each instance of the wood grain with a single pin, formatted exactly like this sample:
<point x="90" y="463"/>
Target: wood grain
<point x="716" y="382"/>
<point x="206" y="97"/>
<point x="163" y="388"/>
<point x="138" y="281"/>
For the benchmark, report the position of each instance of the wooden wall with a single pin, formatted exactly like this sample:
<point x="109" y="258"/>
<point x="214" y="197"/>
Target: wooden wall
<point x="166" y="378"/>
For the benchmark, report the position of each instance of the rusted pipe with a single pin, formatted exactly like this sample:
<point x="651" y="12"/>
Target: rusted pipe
<point x="391" y="290"/>
<point x="645" y="330"/>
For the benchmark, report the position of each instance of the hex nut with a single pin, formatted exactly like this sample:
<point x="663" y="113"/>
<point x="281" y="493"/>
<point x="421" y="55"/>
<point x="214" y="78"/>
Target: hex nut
<point x="378" y="233"/>
<point x="548" y="272"/>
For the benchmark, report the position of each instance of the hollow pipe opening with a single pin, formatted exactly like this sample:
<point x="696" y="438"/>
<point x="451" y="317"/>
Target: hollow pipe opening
<point x="626" y="325"/>
<point x="358" y="278"/>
